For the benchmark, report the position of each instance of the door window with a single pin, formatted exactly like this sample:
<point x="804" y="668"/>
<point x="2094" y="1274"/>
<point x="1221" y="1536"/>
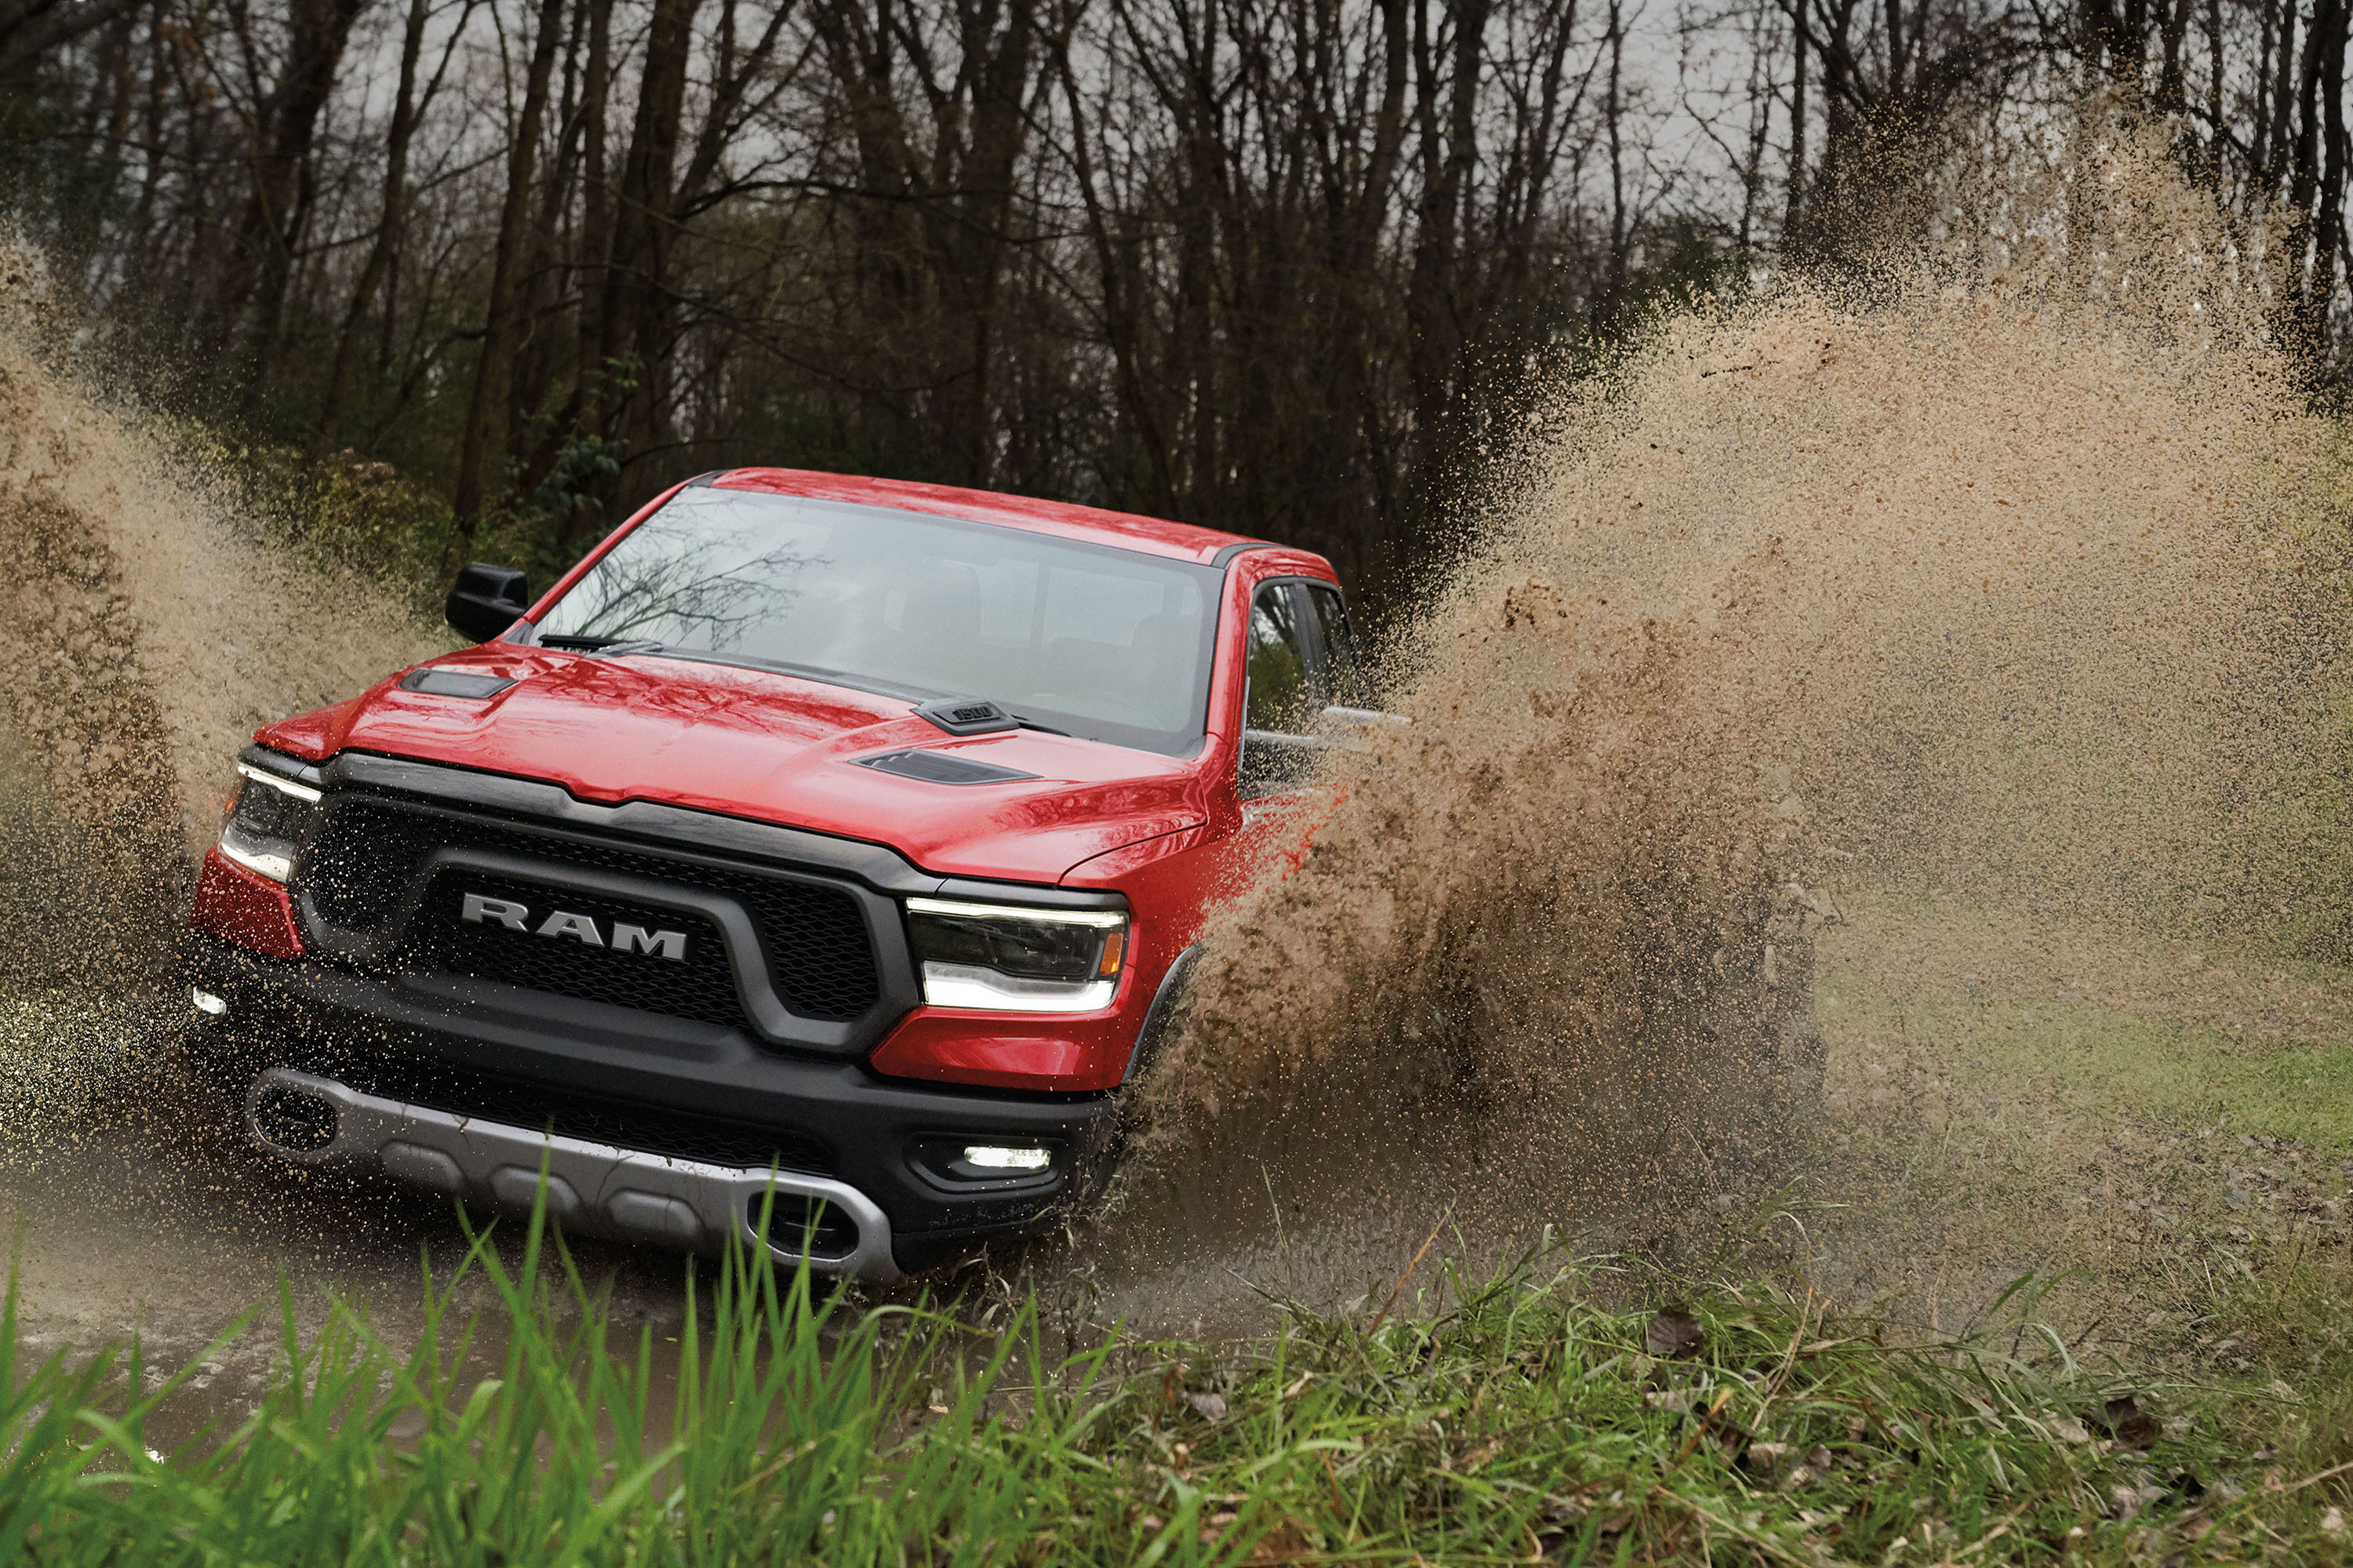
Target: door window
<point x="1343" y="676"/>
<point x="1281" y="701"/>
<point x="1278" y="663"/>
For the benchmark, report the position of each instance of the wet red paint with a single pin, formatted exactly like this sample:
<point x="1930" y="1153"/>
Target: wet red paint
<point x="1170" y="833"/>
<point x="244" y="907"/>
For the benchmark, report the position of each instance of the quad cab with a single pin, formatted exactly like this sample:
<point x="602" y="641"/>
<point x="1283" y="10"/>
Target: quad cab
<point x="832" y="838"/>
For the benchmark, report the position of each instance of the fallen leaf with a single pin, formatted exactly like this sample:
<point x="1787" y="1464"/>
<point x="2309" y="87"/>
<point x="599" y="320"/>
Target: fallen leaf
<point x="2128" y="1424"/>
<point x="1672" y="1333"/>
<point x="1286" y="1543"/>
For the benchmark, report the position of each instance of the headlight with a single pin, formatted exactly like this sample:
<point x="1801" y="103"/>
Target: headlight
<point x="1009" y="959"/>
<point x="266" y="827"/>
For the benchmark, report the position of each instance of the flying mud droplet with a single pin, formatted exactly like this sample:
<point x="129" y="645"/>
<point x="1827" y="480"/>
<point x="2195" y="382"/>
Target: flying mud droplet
<point x="1990" y="568"/>
<point x="146" y="633"/>
<point x="1987" y="570"/>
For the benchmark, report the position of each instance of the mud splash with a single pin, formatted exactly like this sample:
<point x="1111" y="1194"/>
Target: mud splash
<point x="1995" y="570"/>
<point x="1999" y="570"/>
<point x="148" y="631"/>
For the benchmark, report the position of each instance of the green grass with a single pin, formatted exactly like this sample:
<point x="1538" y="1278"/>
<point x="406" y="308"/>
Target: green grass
<point x="1499" y="1421"/>
<point x="2100" y="1058"/>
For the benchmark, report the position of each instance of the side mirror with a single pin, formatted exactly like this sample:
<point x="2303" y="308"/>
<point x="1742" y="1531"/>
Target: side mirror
<point x="487" y="600"/>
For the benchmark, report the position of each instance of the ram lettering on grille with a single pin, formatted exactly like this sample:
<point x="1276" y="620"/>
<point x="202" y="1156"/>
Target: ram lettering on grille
<point x="482" y="910"/>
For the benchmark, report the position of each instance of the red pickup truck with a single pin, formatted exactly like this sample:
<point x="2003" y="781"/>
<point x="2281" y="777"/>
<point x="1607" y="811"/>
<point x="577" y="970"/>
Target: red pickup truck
<point x="832" y="837"/>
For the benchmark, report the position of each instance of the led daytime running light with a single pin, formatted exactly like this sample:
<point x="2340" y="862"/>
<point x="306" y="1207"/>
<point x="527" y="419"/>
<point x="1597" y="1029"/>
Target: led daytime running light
<point x="300" y="792"/>
<point x="1101" y="919"/>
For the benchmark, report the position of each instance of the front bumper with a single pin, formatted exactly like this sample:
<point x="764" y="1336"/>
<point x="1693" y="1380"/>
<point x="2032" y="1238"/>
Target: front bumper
<point x="555" y="1072"/>
<point x="594" y="1188"/>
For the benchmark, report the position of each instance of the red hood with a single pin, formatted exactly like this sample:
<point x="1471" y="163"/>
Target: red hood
<point x="773" y="747"/>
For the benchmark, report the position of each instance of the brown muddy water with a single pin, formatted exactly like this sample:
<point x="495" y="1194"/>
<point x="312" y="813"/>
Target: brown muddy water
<point x="2003" y="576"/>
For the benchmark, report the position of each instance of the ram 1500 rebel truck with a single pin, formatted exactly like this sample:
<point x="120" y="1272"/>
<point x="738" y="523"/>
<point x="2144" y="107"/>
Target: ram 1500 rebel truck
<point x="828" y="842"/>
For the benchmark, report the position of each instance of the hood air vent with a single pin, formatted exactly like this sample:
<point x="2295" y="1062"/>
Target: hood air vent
<point x="454" y="683"/>
<point x="941" y="768"/>
<point x="967" y="715"/>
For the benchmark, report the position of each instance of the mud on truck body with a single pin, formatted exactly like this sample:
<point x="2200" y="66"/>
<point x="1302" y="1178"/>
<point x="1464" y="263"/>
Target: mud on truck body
<point x="837" y="838"/>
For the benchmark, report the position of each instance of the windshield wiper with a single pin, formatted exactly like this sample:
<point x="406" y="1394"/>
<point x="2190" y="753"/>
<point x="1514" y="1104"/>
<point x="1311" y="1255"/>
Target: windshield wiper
<point x="589" y="642"/>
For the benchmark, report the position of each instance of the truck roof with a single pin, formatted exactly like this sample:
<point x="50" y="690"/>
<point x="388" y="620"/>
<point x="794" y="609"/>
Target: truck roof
<point x="1150" y="535"/>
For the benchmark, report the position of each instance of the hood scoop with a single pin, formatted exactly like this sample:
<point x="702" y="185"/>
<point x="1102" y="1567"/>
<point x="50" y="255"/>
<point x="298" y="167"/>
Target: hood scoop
<point x="454" y="683"/>
<point x="967" y="715"/>
<point x="940" y="768"/>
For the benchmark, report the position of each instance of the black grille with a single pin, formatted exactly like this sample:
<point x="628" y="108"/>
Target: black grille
<point x="677" y="1134"/>
<point x="701" y="985"/>
<point x="367" y="854"/>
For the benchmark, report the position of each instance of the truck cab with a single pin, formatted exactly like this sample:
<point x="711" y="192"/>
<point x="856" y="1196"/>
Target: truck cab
<point x="824" y="848"/>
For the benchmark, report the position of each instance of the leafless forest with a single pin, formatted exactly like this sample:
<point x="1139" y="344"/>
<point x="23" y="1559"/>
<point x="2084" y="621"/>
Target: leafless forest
<point x="1287" y="266"/>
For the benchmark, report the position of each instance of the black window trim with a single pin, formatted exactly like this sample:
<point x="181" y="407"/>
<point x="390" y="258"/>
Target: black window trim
<point x="1302" y="614"/>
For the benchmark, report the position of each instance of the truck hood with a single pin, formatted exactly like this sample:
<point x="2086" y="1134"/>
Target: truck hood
<point x="773" y="747"/>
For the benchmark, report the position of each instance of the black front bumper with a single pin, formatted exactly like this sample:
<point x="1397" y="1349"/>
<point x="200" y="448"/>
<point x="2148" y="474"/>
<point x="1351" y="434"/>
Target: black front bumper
<point x="657" y="1085"/>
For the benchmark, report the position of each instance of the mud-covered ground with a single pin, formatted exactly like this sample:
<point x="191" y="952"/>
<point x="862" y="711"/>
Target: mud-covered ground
<point x="2138" y="1122"/>
<point x="2141" y="1122"/>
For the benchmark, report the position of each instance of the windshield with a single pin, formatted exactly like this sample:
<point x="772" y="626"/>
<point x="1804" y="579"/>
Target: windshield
<point x="1093" y="640"/>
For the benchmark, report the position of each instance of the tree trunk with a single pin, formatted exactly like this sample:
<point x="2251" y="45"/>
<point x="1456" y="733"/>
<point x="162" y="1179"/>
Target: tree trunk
<point x="1895" y="50"/>
<point x="595" y="209"/>
<point x="1614" y="111"/>
<point x="481" y="461"/>
<point x="1436" y="290"/>
<point x="2307" y="309"/>
<point x="2259" y="139"/>
<point x="2215" y="136"/>
<point x="2329" y="238"/>
<point x="2283" y="102"/>
<point x="252" y="280"/>
<point x="386" y="246"/>
<point x="636" y="308"/>
<point x="2173" y="26"/>
<point x="1797" y="116"/>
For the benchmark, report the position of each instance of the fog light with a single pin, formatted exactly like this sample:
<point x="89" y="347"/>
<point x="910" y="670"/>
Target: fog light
<point x="991" y="1158"/>
<point x="207" y="1003"/>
